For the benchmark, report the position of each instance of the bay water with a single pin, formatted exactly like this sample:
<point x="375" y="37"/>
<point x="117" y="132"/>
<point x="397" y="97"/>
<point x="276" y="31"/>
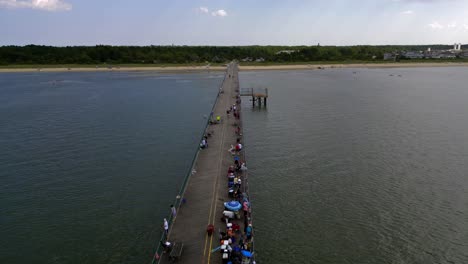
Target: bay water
<point x="359" y="165"/>
<point x="345" y="165"/>
<point x="90" y="162"/>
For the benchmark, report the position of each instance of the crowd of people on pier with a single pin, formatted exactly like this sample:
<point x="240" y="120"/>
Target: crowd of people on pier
<point x="236" y="234"/>
<point x="234" y="110"/>
<point x="234" y="231"/>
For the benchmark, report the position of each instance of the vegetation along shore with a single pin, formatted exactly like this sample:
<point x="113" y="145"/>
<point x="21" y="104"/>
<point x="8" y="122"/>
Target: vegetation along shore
<point x="190" y="58"/>
<point x="247" y="67"/>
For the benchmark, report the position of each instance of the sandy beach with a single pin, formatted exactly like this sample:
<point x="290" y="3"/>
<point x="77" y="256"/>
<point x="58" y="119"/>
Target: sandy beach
<point x="117" y="68"/>
<point x="356" y="65"/>
<point x="242" y="68"/>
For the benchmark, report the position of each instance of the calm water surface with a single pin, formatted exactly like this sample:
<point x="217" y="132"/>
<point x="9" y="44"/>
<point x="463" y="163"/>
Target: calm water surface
<point x="360" y="167"/>
<point x="90" y="162"/>
<point x="345" y="167"/>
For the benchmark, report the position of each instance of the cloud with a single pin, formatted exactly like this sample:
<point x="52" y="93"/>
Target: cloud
<point x="220" y="12"/>
<point x="202" y="9"/>
<point x="436" y="25"/>
<point x="452" y="25"/>
<point x="465" y="26"/>
<point x="205" y="10"/>
<point x="47" y="5"/>
<point x="407" y="12"/>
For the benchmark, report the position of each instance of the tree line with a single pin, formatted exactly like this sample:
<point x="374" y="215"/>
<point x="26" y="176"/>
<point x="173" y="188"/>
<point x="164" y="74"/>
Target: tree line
<point x="102" y="54"/>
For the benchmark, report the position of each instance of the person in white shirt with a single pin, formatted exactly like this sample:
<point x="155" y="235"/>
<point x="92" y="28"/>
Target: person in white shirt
<point x="173" y="211"/>
<point x="166" y="226"/>
<point x="203" y="144"/>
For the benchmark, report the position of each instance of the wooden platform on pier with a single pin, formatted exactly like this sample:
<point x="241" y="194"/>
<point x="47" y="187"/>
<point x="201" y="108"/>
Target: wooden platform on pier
<point x="207" y="188"/>
<point x="257" y="95"/>
<point x="254" y="92"/>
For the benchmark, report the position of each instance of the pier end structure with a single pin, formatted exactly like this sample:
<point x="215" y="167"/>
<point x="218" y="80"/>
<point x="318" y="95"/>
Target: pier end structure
<point x="257" y="94"/>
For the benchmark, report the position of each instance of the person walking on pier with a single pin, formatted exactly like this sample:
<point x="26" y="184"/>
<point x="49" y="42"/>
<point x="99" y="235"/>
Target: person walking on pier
<point x="203" y="144"/>
<point x="173" y="211"/>
<point x="166" y="227"/>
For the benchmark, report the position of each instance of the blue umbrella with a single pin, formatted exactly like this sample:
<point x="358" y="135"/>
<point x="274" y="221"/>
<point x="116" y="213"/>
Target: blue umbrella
<point x="233" y="206"/>
<point x="247" y="254"/>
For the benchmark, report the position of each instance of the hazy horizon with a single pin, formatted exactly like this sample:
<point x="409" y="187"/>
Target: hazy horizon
<point x="233" y="23"/>
<point x="228" y="46"/>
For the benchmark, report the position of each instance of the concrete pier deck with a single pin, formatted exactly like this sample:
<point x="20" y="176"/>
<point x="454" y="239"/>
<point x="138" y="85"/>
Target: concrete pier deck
<point x="207" y="188"/>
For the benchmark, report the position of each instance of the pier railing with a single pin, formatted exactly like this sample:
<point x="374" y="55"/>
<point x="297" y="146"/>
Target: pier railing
<point x="245" y="184"/>
<point x="180" y="195"/>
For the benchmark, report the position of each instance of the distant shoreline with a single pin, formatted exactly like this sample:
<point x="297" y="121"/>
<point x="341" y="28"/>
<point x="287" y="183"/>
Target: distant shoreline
<point x="47" y="68"/>
<point x="353" y="65"/>
<point x="312" y="66"/>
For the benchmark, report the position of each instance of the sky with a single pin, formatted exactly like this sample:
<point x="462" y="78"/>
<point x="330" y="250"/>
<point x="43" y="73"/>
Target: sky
<point x="233" y="22"/>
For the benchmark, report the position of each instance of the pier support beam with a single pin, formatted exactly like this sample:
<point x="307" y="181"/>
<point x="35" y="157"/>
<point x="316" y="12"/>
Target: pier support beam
<point x="256" y="97"/>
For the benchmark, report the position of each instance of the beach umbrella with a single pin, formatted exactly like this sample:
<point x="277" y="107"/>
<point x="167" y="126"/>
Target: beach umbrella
<point x="233" y="206"/>
<point x="246" y="253"/>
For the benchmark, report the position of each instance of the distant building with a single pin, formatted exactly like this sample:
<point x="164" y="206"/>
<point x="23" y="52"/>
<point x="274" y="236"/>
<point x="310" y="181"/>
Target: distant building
<point x="285" y="52"/>
<point x="429" y="54"/>
<point x="389" y="56"/>
<point x="432" y="54"/>
<point x="457" y="46"/>
<point x="447" y="55"/>
<point x="413" y="55"/>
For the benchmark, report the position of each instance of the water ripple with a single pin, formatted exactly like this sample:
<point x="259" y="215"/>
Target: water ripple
<point x="368" y="171"/>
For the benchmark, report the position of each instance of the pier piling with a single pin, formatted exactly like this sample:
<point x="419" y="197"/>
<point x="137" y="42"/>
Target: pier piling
<point x="256" y="94"/>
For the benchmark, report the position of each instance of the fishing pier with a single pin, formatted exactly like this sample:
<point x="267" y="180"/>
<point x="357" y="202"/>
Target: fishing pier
<point x="203" y="230"/>
<point x="257" y="95"/>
